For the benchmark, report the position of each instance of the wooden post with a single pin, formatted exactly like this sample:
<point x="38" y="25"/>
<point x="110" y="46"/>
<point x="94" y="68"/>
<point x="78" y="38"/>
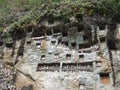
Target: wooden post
<point x="93" y="32"/>
<point x="52" y="32"/>
<point x="98" y="38"/>
<point x="106" y="31"/>
<point x="112" y="66"/>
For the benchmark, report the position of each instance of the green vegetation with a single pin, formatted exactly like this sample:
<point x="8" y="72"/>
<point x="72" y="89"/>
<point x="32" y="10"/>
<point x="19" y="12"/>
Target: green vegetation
<point x="18" y="14"/>
<point x="1" y="29"/>
<point x="8" y="40"/>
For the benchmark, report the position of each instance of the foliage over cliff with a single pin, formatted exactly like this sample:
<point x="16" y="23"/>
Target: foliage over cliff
<point x="21" y="13"/>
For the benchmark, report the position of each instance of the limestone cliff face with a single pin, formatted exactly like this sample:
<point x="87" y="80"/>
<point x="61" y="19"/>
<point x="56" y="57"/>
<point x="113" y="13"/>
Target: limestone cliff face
<point x="27" y="66"/>
<point x="62" y="56"/>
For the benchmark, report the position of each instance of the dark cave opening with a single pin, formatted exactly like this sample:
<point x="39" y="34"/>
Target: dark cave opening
<point x="19" y="34"/>
<point x="49" y="32"/>
<point x="81" y="56"/>
<point x="1" y="42"/>
<point x="43" y="57"/>
<point x="9" y="45"/>
<point x="29" y="29"/>
<point x="73" y="44"/>
<point x="79" y="17"/>
<point x="65" y="43"/>
<point x="38" y="44"/>
<point x="102" y="39"/>
<point x="68" y="56"/>
<point x="64" y="33"/>
<point x="29" y="42"/>
<point x="53" y="42"/>
<point x="81" y="46"/>
<point x="56" y="30"/>
<point x="101" y="26"/>
<point x="105" y="78"/>
<point x="50" y="21"/>
<point x="80" y="28"/>
<point x="38" y="33"/>
<point x="111" y="45"/>
<point x="85" y="37"/>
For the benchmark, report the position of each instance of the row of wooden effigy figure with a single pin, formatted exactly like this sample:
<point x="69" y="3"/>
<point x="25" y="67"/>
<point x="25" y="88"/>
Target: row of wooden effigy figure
<point x="65" y="67"/>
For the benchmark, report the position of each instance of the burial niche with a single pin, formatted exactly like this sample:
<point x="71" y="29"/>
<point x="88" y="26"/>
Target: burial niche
<point x="1" y="42"/>
<point x="82" y="87"/>
<point x="53" y="42"/>
<point x="104" y="78"/>
<point x="50" y="21"/>
<point x="65" y="43"/>
<point x="98" y="63"/>
<point x="49" y="32"/>
<point x="38" y="32"/>
<point x="81" y="56"/>
<point x="73" y="44"/>
<point x="68" y="56"/>
<point x="102" y="39"/>
<point x="79" y="17"/>
<point x="43" y="57"/>
<point x="38" y="45"/>
<point x="64" y="33"/>
<point x="80" y="28"/>
<point x="29" y="41"/>
<point x="101" y="26"/>
<point x="56" y="30"/>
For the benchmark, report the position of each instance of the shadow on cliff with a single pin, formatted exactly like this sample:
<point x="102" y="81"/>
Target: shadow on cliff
<point x="20" y="51"/>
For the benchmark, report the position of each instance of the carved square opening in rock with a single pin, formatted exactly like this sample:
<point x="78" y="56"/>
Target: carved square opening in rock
<point x="59" y="41"/>
<point x="53" y="42"/>
<point x="29" y="29"/>
<point x="81" y="46"/>
<point x="56" y="55"/>
<point x="38" y="32"/>
<point x="101" y="26"/>
<point x="38" y="45"/>
<point x="64" y="33"/>
<point x="65" y="43"/>
<point x="51" y="21"/>
<point x="104" y="78"/>
<point x="9" y="45"/>
<point x="82" y="87"/>
<point x="28" y="42"/>
<point x="1" y="42"/>
<point x="81" y="56"/>
<point x="56" y="30"/>
<point x="80" y="51"/>
<point x="85" y="45"/>
<point x="73" y="44"/>
<point x="43" y="57"/>
<point x="111" y="44"/>
<point x="49" y="32"/>
<point x="80" y="28"/>
<point x="85" y="37"/>
<point x="102" y="39"/>
<point x="68" y="56"/>
<point x="79" y="17"/>
<point x="98" y="63"/>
